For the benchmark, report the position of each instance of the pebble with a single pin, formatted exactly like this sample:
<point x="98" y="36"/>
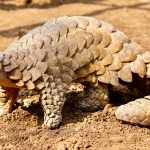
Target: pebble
<point x="116" y="139"/>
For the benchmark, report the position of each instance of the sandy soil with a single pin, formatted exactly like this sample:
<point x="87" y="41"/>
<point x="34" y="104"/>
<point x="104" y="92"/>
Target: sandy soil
<point x="22" y="130"/>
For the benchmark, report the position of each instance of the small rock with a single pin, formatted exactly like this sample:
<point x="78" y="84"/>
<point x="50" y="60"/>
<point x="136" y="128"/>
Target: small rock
<point x="61" y="147"/>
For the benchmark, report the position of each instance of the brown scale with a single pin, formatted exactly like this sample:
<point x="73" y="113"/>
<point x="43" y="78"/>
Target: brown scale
<point x="71" y="23"/>
<point x="127" y="53"/>
<point x="26" y="75"/>
<point x="72" y="45"/>
<point x="138" y="66"/>
<point x="93" y="23"/>
<point x="116" y="63"/>
<point x="62" y="46"/>
<point x="116" y="44"/>
<point x="125" y="73"/>
<point x="82" y="23"/>
<point x="114" y="80"/>
<point x="96" y="35"/>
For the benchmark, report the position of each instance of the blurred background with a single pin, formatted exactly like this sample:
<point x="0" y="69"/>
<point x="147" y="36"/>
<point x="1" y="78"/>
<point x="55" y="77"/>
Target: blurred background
<point x="19" y="16"/>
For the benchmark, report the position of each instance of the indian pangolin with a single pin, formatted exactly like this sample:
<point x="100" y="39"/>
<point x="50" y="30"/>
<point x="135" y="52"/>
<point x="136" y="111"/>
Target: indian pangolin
<point x="74" y="49"/>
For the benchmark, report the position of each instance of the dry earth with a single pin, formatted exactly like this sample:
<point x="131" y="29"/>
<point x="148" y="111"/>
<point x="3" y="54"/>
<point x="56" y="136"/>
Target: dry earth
<point x="22" y="129"/>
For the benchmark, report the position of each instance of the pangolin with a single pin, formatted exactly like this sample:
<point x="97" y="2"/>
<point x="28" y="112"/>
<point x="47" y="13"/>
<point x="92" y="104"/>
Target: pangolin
<point x="74" y="49"/>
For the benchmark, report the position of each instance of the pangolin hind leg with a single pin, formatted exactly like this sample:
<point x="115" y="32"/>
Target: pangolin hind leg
<point x="52" y="100"/>
<point x="7" y="99"/>
<point x="93" y="97"/>
<point x="3" y="96"/>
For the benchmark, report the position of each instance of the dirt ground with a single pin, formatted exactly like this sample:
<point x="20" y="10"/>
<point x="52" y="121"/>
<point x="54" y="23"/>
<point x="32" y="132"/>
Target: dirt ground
<point x="22" y="130"/>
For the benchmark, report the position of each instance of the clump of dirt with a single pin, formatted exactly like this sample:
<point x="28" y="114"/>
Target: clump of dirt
<point x="22" y="129"/>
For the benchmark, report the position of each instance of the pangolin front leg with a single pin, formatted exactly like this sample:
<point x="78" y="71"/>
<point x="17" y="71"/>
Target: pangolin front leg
<point x="52" y="100"/>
